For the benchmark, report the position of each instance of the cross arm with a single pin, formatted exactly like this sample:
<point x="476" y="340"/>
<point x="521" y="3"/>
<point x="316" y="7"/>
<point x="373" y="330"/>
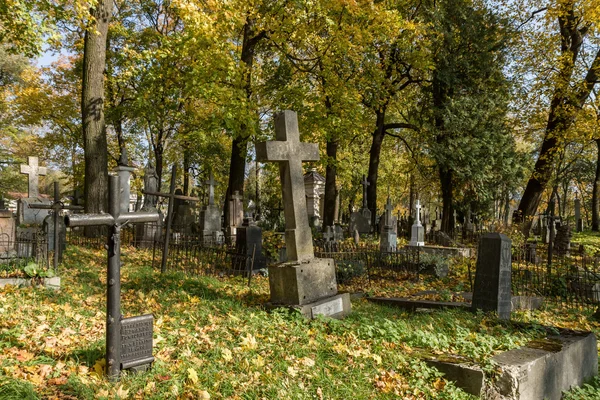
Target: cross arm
<point x="175" y="196"/>
<point x="138" y="217"/>
<point x="282" y="151"/>
<point x="41" y="206"/>
<point x="89" y="220"/>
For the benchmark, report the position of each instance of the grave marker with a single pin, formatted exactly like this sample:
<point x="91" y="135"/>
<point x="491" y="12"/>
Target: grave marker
<point x="303" y="282"/>
<point x="34" y="171"/>
<point x="417" y="237"/>
<point x="210" y="216"/>
<point x="117" y="331"/>
<point x="492" y="288"/>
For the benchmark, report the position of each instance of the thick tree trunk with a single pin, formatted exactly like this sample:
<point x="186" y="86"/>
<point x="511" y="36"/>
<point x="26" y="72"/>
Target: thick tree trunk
<point x="92" y="111"/>
<point x="330" y="183"/>
<point x="237" y="166"/>
<point x="596" y="194"/>
<point x="374" y="154"/>
<point x="447" y="200"/>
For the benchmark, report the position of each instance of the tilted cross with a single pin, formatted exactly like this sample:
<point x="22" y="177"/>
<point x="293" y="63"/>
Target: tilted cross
<point x="56" y="207"/>
<point x="171" y="196"/>
<point x="289" y="152"/>
<point x="115" y="219"/>
<point x="34" y="171"/>
<point x="211" y="189"/>
<point x="365" y="183"/>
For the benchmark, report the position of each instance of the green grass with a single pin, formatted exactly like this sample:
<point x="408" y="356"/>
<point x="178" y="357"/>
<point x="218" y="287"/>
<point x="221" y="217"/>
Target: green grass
<point x="213" y="337"/>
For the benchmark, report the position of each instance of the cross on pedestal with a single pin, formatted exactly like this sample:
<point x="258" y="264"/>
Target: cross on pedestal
<point x="289" y="152"/>
<point x="418" y="208"/>
<point x="115" y="219"/>
<point x="34" y="171"/>
<point x="56" y="206"/>
<point x="171" y="196"/>
<point x="365" y="183"/>
<point x="211" y="189"/>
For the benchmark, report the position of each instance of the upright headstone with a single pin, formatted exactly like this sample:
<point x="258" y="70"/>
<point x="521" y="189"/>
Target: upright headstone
<point x="492" y="288"/>
<point x="210" y="216"/>
<point x="124" y="172"/>
<point x="147" y="234"/>
<point x="578" y="220"/>
<point x="27" y="215"/>
<point x="361" y="220"/>
<point x="128" y="340"/>
<point x="248" y="241"/>
<point x="417" y="234"/>
<point x="389" y="239"/>
<point x="303" y="282"/>
<point x="236" y="214"/>
<point x="7" y="228"/>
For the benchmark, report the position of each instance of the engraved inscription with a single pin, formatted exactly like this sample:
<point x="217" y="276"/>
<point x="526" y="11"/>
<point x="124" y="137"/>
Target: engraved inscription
<point x="136" y="338"/>
<point x="329" y="308"/>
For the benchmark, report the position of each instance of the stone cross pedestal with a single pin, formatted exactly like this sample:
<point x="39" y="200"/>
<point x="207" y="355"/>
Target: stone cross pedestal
<point x="492" y="288"/>
<point x="128" y="340"/>
<point x="303" y="282"/>
<point x="417" y="237"/>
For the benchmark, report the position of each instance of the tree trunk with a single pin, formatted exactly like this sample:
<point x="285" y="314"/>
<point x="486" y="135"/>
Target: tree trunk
<point x="159" y="157"/>
<point x="596" y="193"/>
<point x="92" y="111"/>
<point x="374" y="154"/>
<point x="447" y="200"/>
<point x="237" y="165"/>
<point x="186" y="171"/>
<point x="330" y="183"/>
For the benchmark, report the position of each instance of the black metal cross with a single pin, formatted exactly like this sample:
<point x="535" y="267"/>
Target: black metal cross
<point x="171" y="196"/>
<point x="114" y="220"/>
<point x="56" y="207"/>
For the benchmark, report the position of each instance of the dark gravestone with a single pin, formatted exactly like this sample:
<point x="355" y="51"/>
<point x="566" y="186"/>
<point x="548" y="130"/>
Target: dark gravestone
<point x="136" y="342"/>
<point x="48" y="227"/>
<point x="491" y="291"/>
<point x="248" y="241"/>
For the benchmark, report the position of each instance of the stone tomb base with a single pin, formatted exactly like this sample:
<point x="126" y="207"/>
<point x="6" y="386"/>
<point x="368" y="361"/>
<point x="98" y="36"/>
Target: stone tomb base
<point x="309" y="286"/>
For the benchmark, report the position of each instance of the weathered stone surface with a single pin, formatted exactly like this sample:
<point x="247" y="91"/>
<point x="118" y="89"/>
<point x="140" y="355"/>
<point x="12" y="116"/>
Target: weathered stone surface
<point x="50" y="283"/>
<point x="550" y="367"/>
<point x="526" y="302"/>
<point x="34" y="171"/>
<point x="48" y="227"/>
<point x="417" y="235"/>
<point x="31" y="216"/>
<point x="7" y="231"/>
<point x="300" y="283"/>
<point x="248" y="241"/>
<point x="210" y="221"/>
<point x="492" y="288"/>
<point x="469" y="378"/>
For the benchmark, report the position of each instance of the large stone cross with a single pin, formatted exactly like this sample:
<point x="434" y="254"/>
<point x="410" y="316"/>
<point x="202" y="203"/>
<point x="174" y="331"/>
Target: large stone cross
<point x="365" y="183"/>
<point x="34" y="171"/>
<point x="418" y="208"/>
<point x="289" y="152"/>
<point x="211" y="189"/>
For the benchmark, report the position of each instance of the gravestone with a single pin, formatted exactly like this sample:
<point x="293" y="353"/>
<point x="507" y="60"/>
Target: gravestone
<point x="27" y="215"/>
<point x="124" y="172"/>
<point x="338" y="233"/>
<point x="417" y="235"/>
<point x="128" y="341"/>
<point x="361" y="220"/>
<point x="183" y="214"/>
<point x="314" y="185"/>
<point x="389" y="239"/>
<point x="303" y="282"/>
<point x="492" y="288"/>
<point x="148" y="233"/>
<point x="248" y="241"/>
<point x="210" y="216"/>
<point x="7" y="228"/>
<point x="48" y="227"/>
<point x="236" y="213"/>
<point x="562" y="241"/>
<point x="328" y="236"/>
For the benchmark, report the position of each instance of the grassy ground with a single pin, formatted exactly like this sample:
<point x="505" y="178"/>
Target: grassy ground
<point x="212" y="339"/>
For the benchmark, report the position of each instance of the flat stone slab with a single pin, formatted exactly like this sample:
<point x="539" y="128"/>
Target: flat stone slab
<point x="409" y="304"/>
<point x="469" y="378"/>
<point x="337" y="307"/>
<point x="544" y="369"/>
<point x="50" y="283"/>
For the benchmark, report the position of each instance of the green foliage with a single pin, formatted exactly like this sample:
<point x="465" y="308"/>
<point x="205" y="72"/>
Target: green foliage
<point x="15" y="389"/>
<point x="33" y="270"/>
<point x="590" y="390"/>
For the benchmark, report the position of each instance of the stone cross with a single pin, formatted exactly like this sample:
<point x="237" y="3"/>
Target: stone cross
<point x="418" y="208"/>
<point x="56" y="207"/>
<point x="236" y="198"/>
<point x="388" y="213"/>
<point x="114" y="219"/>
<point x="34" y="171"/>
<point x="328" y="235"/>
<point x="365" y="183"/>
<point x="289" y="152"/>
<point x="211" y="189"/>
<point x="171" y="196"/>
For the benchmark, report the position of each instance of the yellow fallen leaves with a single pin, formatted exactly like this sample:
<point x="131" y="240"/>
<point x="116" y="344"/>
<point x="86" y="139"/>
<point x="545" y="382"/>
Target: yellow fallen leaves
<point x="192" y="376"/>
<point x="248" y="342"/>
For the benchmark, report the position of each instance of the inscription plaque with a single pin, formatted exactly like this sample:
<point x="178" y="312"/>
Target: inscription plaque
<point x="136" y="341"/>
<point x="329" y="308"/>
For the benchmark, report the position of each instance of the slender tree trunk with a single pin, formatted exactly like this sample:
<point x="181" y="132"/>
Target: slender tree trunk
<point x="159" y="157"/>
<point x="596" y="193"/>
<point x="186" y="171"/>
<point x="374" y="154"/>
<point x="330" y="183"/>
<point x="92" y="111"/>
